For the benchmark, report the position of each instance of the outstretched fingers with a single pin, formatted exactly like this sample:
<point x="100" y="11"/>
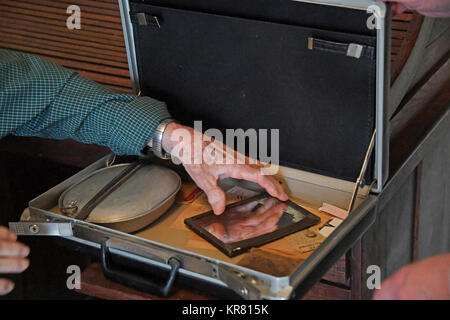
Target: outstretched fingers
<point x="254" y="174"/>
<point x="13" y="265"/>
<point x="208" y="183"/>
<point x="6" y="234"/>
<point x="13" y="249"/>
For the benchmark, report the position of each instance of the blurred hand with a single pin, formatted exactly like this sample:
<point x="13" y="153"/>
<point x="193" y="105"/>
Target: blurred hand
<point x="432" y="8"/>
<point x="241" y="223"/>
<point x="428" y="279"/>
<point x="12" y="258"/>
<point x="206" y="173"/>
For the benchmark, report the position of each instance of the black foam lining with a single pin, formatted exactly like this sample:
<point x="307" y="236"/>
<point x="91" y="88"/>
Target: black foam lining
<point x="234" y="72"/>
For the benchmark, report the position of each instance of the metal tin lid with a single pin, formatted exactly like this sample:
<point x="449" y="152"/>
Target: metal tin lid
<point x="147" y="190"/>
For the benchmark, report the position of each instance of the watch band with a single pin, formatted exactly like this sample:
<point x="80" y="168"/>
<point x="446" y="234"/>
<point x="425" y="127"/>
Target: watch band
<point x="155" y="142"/>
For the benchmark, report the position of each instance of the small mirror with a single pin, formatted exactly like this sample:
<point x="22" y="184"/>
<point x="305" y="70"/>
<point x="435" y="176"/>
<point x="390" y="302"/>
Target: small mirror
<point x="251" y="223"/>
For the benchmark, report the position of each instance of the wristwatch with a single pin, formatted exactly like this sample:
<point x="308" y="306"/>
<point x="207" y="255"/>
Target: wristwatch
<point x="155" y="143"/>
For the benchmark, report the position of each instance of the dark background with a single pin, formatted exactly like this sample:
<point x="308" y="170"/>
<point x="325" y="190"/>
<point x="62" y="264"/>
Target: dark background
<point x="22" y="178"/>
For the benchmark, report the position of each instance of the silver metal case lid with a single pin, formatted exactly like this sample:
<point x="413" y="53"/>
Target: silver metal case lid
<point x="381" y="14"/>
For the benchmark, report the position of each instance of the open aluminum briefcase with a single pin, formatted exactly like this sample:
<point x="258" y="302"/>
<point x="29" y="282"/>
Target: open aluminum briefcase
<point x="317" y="70"/>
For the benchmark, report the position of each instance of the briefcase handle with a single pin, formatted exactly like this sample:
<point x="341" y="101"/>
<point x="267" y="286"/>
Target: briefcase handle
<point x="136" y="281"/>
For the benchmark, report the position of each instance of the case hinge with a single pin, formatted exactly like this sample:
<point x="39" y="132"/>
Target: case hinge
<point x="144" y="19"/>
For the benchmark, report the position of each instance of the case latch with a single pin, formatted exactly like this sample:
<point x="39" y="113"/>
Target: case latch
<point x="62" y="229"/>
<point x="239" y="283"/>
<point x="144" y="19"/>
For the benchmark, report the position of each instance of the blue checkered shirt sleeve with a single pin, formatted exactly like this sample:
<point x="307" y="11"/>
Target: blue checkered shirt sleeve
<point x="40" y="98"/>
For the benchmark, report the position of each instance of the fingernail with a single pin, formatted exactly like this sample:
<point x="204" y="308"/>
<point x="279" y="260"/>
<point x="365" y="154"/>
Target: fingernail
<point x="12" y="236"/>
<point x="23" y="265"/>
<point x="6" y="288"/>
<point x="25" y="251"/>
<point x="10" y="287"/>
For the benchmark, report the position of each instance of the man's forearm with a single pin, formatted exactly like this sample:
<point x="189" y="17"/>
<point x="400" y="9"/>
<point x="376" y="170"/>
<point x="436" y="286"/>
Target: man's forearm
<point x="40" y="98"/>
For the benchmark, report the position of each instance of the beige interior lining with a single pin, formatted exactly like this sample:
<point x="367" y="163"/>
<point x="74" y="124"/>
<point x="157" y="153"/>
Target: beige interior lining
<point x="171" y="230"/>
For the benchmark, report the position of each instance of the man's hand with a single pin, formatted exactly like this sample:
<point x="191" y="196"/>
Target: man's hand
<point x="12" y="258"/>
<point x="428" y="279"/>
<point x="432" y="8"/>
<point x="206" y="173"/>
